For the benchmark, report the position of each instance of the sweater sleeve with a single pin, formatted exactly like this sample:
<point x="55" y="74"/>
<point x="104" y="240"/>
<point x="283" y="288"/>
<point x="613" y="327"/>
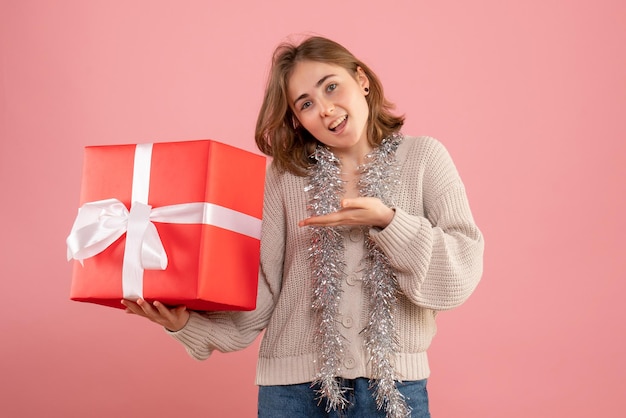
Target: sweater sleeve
<point x="227" y="331"/>
<point x="437" y="256"/>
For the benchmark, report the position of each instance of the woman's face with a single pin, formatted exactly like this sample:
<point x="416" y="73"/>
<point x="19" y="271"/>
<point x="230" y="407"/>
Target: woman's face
<point x="329" y="102"/>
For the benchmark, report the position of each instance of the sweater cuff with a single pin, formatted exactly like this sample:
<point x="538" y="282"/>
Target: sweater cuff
<point x="402" y="229"/>
<point x="193" y="335"/>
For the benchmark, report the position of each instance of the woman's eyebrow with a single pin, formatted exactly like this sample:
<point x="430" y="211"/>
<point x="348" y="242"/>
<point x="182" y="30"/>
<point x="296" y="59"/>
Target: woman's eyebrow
<point x="319" y="83"/>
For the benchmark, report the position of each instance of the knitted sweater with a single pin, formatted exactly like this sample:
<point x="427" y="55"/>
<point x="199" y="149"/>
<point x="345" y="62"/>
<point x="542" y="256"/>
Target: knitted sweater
<point x="432" y="243"/>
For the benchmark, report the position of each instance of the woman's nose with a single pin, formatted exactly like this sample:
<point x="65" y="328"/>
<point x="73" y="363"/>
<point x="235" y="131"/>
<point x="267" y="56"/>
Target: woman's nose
<point x="327" y="108"/>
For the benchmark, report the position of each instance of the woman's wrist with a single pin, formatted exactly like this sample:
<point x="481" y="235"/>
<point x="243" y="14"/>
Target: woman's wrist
<point x="180" y="322"/>
<point x="386" y="218"/>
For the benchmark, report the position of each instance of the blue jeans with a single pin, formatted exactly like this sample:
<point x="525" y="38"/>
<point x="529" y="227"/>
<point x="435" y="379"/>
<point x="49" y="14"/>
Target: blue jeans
<point x="299" y="401"/>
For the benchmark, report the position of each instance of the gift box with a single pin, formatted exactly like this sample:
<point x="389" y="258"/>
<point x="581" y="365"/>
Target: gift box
<point x="177" y="222"/>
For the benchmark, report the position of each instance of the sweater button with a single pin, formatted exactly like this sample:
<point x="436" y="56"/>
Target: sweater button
<point x="347" y="321"/>
<point x="352" y="279"/>
<point x="356" y="234"/>
<point x="349" y="363"/>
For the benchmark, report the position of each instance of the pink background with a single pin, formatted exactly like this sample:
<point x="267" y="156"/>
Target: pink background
<point x="529" y="97"/>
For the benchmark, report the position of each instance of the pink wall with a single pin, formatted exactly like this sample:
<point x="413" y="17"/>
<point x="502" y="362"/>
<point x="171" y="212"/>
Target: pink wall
<point x="529" y="97"/>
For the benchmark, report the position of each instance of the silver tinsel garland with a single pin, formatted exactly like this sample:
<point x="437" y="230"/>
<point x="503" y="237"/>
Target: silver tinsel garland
<point x="378" y="178"/>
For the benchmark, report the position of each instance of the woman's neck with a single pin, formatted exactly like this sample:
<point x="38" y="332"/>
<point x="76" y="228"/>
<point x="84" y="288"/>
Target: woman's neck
<point x="353" y="157"/>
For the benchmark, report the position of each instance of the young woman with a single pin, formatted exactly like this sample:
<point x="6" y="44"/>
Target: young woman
<point x="367" y="234"/>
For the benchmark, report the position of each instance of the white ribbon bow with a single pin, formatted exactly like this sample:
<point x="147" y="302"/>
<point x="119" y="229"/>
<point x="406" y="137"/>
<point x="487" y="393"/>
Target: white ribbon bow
<point x="99" y="224"/>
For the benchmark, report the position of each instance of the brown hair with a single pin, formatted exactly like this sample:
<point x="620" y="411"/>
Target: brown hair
<point x="278" y="133"/>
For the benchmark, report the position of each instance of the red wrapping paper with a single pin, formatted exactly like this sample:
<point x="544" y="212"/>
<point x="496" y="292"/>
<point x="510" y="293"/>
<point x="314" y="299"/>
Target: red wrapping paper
<point x="209" y="268"/>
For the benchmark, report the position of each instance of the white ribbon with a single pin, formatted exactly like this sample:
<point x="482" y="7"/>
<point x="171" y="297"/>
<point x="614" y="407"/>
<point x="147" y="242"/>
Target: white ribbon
<point x="100" y="223"/>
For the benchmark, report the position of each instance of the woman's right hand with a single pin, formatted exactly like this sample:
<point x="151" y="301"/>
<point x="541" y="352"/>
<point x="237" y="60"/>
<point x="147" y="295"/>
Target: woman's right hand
<point x="173" y="319"/>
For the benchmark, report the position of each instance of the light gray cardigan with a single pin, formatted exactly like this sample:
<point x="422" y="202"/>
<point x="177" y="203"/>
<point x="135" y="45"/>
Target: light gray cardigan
<point x="432" y="243"/>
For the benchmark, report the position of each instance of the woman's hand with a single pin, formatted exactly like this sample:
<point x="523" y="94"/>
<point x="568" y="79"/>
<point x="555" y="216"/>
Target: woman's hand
<point x="173" y="319"/>
<point x="358" y="211"/>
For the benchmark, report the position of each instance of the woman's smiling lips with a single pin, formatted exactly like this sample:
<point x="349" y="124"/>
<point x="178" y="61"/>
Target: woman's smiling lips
<point x="338" y="123"/>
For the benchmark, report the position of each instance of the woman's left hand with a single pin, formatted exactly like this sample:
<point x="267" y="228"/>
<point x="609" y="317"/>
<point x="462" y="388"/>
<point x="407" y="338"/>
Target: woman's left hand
<point x="357" y="211"/>
<point x="174" y="319"/>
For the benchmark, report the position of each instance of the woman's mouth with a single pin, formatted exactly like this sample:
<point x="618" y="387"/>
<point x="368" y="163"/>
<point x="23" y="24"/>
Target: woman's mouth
<point x="338" y="123"/>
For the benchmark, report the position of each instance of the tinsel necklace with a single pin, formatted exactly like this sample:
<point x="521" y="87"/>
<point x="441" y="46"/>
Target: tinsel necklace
<point x="378" y="177"/>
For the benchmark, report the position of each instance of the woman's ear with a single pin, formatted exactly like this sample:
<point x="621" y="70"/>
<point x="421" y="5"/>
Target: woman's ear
<point x="362" y="79"/>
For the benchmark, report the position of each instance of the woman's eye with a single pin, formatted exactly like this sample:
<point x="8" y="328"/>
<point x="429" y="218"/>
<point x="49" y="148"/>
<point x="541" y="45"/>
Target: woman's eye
<point x="331" y="87"/>
<point x="305" y="105"/>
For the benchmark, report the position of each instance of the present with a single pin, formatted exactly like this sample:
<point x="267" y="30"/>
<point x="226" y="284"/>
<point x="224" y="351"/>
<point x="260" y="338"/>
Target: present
<point x="177" y="222"/>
